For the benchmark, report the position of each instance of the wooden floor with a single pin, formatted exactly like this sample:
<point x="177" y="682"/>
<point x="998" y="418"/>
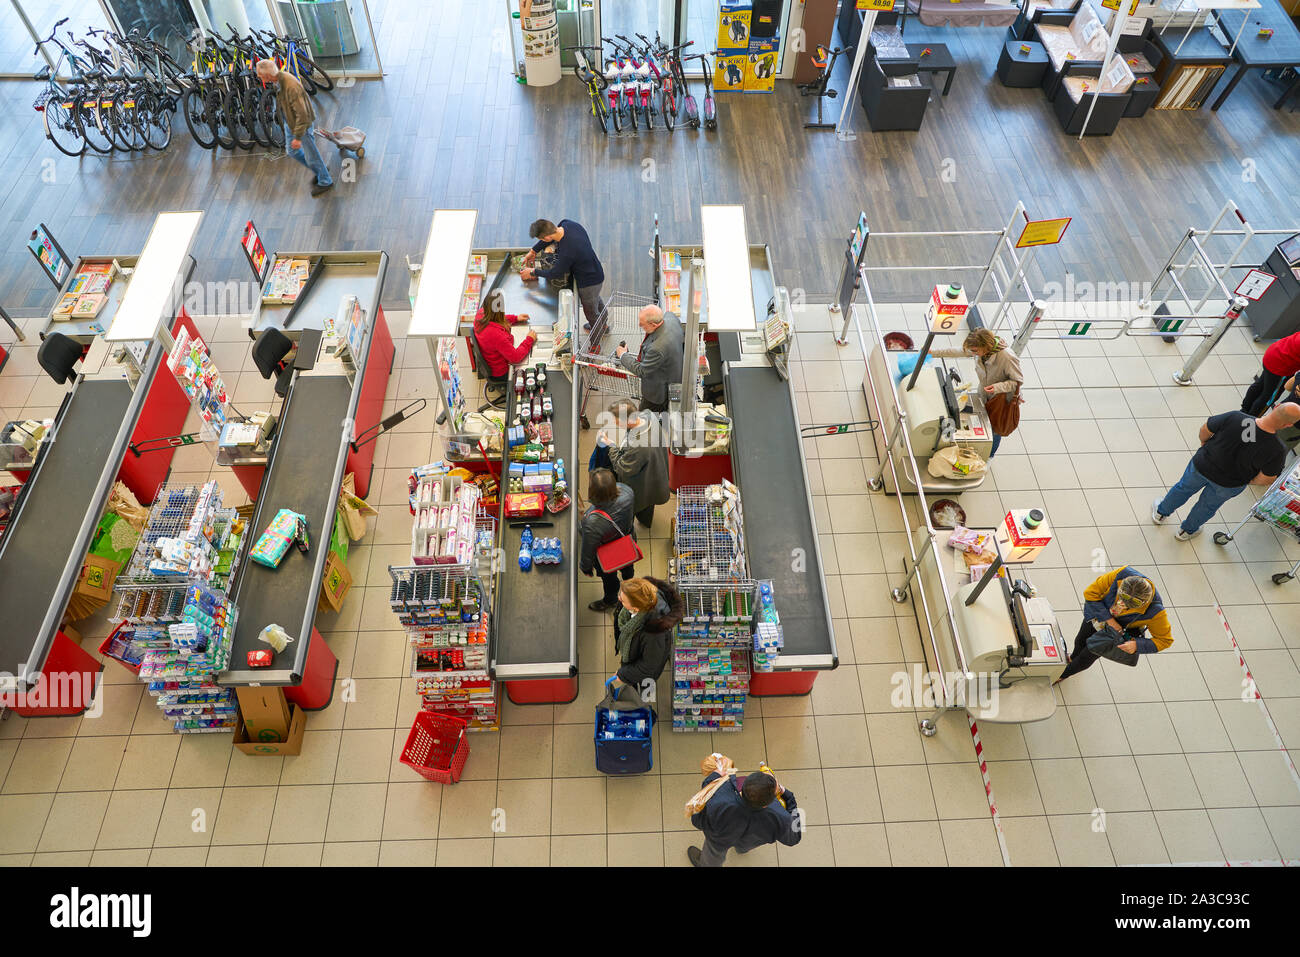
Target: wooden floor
<point x="449" y="126"/>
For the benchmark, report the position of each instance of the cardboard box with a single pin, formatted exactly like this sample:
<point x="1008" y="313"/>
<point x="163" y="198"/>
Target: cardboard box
<point x="97" y="577"/>
<point x="733" y="25"/>
<point x="729" y="71"/>
<point x="334" y="584"/>
<point x="264" y="714"/>
<point x="292" y="745"/>
<point x="760" y="68"/>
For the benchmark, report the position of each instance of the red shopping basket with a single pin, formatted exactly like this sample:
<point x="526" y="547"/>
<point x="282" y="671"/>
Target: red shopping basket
<point x="437" y="747"/>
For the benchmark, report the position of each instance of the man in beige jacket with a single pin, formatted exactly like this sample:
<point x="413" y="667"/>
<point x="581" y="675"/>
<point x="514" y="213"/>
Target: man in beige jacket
<point x="299" y="117"/>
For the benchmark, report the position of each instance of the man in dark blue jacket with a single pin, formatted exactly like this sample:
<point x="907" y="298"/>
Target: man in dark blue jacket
<point x="573" y="255"/>
<point x="758" y="812"/>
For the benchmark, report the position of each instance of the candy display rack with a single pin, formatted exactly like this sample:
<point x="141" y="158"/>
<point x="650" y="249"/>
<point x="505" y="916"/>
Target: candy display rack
<point x="175" y="624"/>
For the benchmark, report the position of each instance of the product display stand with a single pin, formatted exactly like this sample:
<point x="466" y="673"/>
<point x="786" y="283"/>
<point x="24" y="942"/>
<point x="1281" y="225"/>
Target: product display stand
<point x="711" y="649"/>
<point x="156" y="601"/>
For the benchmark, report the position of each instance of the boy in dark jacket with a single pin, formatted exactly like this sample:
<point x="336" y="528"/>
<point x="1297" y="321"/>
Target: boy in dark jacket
<point x="757" y="812"/>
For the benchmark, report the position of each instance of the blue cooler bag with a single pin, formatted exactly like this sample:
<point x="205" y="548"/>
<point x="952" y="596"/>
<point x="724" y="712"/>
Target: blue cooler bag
<point x="623" y="727"/>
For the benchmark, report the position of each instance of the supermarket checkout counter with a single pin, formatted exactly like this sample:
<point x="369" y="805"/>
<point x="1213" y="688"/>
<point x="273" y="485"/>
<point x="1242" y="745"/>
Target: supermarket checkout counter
<point x="166" y="406"/>
<point x="768" y="464"/>
<point x="330" y="400"/>
<point x="117" y="399"/>
<point x="332" y="279"/>
<point x="535" y="648"/>
<point x="1006" y="633"/>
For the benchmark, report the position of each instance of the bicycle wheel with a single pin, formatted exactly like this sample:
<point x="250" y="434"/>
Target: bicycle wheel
<point x="631" y="112"/>
<point x="616" y="115"/>
<point x="669" y="103"/>
<point x="252" y="100"/>
<point x="269" y="119"/>
<point x="91" y="123"/>
<point x="319" y="78"/>
<point x="196" y="118"/>
<point x="214" y="110"/>
<point x="598" y="108"/>
<point x="239" y="124"/>
<point x="297" y="68"/>
<point x="122" y="116"/>
<point x="154" y="120"/>
<point x="61" y="126"/>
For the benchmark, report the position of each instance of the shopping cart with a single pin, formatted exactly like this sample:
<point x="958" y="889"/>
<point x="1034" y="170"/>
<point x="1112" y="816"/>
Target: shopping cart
<point x="1279" y="508"/>
<point x="593" y="355"/>
<point x="348" y="140"/>
<point x="437" y="747"/>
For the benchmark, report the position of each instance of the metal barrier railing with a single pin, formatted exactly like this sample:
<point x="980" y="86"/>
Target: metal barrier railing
<point x="899" y="439"/>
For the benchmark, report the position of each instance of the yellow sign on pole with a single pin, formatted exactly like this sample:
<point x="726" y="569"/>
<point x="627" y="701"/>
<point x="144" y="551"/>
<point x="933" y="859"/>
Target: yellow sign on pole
<point x="1043" y="232"/>
<point x="883" y="5"/>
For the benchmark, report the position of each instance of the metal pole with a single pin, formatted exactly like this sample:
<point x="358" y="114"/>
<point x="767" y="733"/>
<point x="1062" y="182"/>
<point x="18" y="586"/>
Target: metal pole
<point x="1184" y="375"/>
<point x="899" y="594"/>
<point x="1164" y="273"/>
<point x="1036" y="310"/>
<point x="877" y="483"/>
<point x="920" y="360"/>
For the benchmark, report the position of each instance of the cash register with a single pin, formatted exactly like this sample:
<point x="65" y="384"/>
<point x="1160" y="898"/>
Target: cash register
<point x="941" y="412"/>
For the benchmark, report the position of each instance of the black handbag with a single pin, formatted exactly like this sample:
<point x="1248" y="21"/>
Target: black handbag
<point x="1105" y="644"/>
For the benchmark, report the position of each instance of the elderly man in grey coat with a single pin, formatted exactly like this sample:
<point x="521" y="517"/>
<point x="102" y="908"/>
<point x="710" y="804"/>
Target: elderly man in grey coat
<point x="659" y="361"/>
<point x="640" y="460"/>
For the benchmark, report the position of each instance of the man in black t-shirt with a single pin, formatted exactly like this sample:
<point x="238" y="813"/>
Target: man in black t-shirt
<point x="573" y="256"/>
<point x="1236" y="450"/>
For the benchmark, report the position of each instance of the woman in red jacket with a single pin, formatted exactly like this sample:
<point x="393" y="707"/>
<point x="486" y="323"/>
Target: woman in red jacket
<point x="496" y="341"/>
<point x="1281" y="361"/>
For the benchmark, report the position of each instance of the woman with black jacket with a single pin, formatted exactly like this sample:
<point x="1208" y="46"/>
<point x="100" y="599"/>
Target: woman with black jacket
<point x="608" y="518"/>
<point x="643" y="630"/>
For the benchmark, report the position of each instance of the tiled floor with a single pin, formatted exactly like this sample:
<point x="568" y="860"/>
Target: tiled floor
<point x="1165" y="763"/>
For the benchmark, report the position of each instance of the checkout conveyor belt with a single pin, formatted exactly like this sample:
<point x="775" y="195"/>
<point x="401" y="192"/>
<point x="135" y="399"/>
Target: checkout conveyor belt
<point x="299" y="476"/>
<point x="767" y="462"/>
<point x="44" y="533"/>
<point x="535" y="629"/>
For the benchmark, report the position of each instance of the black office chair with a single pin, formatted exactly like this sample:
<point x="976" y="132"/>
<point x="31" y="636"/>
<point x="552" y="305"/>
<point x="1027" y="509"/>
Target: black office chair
<point x="497" y="386"/>
<point x="57" y="355"/>
<point x="269" y="355"/>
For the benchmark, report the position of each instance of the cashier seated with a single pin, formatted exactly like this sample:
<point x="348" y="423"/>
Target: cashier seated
<point x="496" y="340"/>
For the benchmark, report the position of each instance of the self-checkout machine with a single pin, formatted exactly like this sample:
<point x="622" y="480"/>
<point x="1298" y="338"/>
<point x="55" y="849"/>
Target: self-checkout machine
<point x="1011" y="642"/>
<point x="940" y="407"/>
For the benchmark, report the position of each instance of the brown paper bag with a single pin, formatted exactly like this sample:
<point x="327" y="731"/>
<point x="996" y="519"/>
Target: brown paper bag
<point x="354" y="508"/>
<point x="121" y="501"/>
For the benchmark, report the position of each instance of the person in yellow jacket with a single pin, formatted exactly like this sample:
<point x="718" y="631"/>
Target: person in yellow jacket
<point x="1128" y="602"/>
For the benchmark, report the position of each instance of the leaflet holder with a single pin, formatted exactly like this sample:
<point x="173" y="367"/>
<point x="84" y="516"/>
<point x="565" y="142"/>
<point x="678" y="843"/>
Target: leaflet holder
<point x="388" y="424"/>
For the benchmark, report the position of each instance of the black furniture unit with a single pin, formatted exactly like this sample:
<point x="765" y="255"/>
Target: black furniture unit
<point x="1143" y="58"/>
<point x="1254" y="52"/>
<point x="1071" y="113"/>
<point x="938" y="60"/>
<point x="1019" y="69"/>
<point x="1277" y="313"/>
<point x="1019" y="30"/>
<point x="893" y="107"/>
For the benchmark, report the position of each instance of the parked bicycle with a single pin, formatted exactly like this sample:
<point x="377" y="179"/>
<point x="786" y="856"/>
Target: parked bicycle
<point x="595" y="82"/>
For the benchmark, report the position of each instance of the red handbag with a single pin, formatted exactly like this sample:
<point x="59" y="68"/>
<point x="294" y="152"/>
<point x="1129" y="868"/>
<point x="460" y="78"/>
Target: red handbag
<point x="618" y="552"/>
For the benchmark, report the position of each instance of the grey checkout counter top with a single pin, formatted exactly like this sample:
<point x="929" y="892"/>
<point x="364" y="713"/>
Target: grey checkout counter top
<point x="536" y="611"/>
<point x="768" y="465"/>
<point x="303" y="473"/>
<point x="58" y="510"/>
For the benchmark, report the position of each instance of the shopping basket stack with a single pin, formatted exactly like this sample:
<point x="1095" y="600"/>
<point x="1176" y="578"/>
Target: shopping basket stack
<point x="437" y="747"/>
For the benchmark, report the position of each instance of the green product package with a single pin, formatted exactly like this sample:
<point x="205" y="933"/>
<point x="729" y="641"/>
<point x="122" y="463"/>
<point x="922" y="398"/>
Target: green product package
<point x="339" y="539"/>
<point x="115" y="539"/>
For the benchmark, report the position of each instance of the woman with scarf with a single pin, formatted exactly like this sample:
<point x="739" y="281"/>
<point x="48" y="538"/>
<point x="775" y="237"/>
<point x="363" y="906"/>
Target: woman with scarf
<point x="643" y="627"/>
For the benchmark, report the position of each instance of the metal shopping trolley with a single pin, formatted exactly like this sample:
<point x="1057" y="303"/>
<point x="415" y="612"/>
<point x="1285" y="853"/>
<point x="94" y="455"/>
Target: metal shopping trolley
<point x="1278" y="507"/>
<point x="593" y="354"/>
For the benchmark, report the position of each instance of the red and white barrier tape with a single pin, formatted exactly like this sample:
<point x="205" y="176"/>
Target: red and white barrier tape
<point x="988" y="788"/>
<point x="1263" y="708"/>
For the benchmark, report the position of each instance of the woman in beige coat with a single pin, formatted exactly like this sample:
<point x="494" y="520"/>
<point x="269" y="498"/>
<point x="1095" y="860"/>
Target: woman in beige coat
<point x="997" y="366"/>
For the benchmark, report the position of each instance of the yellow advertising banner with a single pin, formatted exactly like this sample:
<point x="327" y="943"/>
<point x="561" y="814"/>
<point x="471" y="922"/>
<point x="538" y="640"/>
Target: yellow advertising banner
<point x="1043" y="232"/>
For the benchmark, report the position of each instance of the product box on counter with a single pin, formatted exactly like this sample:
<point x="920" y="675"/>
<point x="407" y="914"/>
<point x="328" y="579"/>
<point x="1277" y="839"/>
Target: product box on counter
<point x="290" y="746"/>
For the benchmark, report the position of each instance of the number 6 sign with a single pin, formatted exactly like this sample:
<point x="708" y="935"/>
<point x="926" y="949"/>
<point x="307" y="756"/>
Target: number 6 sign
<point x="942" y="324"/>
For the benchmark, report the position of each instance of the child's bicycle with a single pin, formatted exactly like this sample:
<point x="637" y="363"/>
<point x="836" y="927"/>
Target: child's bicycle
<point x="595" y="82"/>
